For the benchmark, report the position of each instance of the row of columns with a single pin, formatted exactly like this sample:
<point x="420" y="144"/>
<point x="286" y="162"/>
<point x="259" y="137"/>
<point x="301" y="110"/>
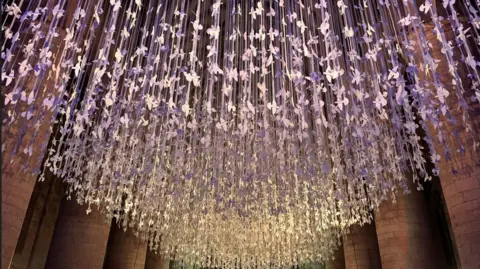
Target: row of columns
<point x="404" y="234"/>
<point x="404" y="230"/>
<point x="401" y="237"/>
<point x="77" y="240"/>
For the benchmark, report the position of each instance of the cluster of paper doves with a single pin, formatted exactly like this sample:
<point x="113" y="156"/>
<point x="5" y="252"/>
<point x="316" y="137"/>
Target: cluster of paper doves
<point x="237" y="133"/>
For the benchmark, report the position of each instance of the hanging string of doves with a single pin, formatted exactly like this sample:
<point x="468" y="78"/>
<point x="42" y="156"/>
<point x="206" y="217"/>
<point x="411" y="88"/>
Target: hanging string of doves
<point x="232" y="133"/>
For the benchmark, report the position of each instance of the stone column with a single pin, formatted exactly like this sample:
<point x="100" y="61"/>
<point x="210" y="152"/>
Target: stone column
<point x="125" y="250"/>
<point x="18" y="179"/>
<point x="39" y="223"/>
<point x="460" y="179"/>
<point x="405" y="238"/>
<point x="339" y="260"/>
<point x="17" y="182"/>
<point x="46" y="228"/>
<point x="15" y="197"/>
<point x="361" y="248"/>
<point x="154" y="261"/>
<point x="79" y="240"/>
<point x="30" y="226"/>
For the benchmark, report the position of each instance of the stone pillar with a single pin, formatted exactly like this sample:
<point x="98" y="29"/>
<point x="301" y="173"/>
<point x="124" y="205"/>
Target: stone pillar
<point x="125" y="250"/>
<point x="15" y="197"/>
<point x="18" y="179"/>
<point x="361" y="248"/>
<point x="339" y="260"/>
<point x="37" y="229"/>
<point x="154" y="261"/>
<point x="405" y="238"/>
<point x="45" y="231"/>
<point x="79" y="240"/>
<point x="460" y="179"/>
<point x="17" y="182"/>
